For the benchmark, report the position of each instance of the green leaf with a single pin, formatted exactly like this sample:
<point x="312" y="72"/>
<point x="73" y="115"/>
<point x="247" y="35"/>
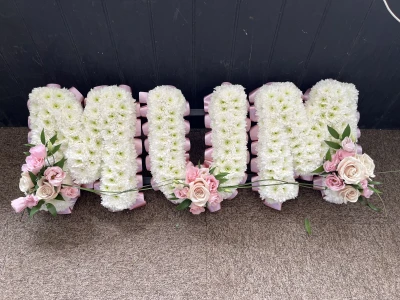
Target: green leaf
<point x="27" y="153"/>
<point x="220" y="176"/>
<point x="36" y="208"/>
<point x="346" y="132"/>
<point x="318" y="170"/>
<point x="60" y="163"/>
<point x="199" y="165"/>
<point x="333" y="145"/>
<point x="307" y="225"/>
<point x="374" y="190"/>
<point x="55" y="149"/>
<point x="361" y="199"/>
<point x="42" y="137"/>
<point x="184" y="204"/>
<point x="53" y="139"/>
<point x="51" y="208"/>
<point x="328" y="155"/>
<point x="59" y="197"/>
<point x="357" y="186"/>
<point x="373" y="207"/>
<point x="33" y="177"/>
<point x="222" y="180"/>
<point x="374" y="182"/>
<point x="333" y="132"/>
<point x="212" y="170"/>
<point x="29" y="145"/>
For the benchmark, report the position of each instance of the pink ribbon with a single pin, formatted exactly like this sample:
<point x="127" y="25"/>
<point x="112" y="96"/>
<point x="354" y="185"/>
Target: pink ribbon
<point x="187" y="109"/>
<point x="30" y="137"/>
<point x="208" y="154"/>
<point x="145" y="128"/>
<point x="96" y="185"/>
<point x="28" y="104"/>
<point x="248" y="124"/>
<point x="138" y="127"/>
<point x="207" y="163"/>
<point x="139" y="201"/>
<point x="154" y="184"/>
<point x="358" y="133"/>
<point x="358" y="116"/>
<point x="54" y="85"/>
<point x="207" y="121"/>
<point x="99" y="87"/>
<point x="139" y="180"/>
<point x="255" y="184"/>
<point x="319" y="183"/>
<point x="306" y="95"/>
<point x="226" y="83"/>
<point x="137" y="110"/>
<point x="88" y="185"/>
<point x="214" y="207"/>
<point x="139" y="164"/>
<point x="248" y="157"/>
<point x="143" y="111"/>
<point x="253" y="165"/>
<point x="207" y="100"/>
<point x="252" y="95"/>
<point x="254" y="148"/>
<point x="126" y="87"/>
<point x="186" y="146"/>
<point x="244" y="179"/>
<point x="234" y="194"/>
<point x="66" y="211"/>
<point x="146" y="145"/>
<point x="207" y="139"/>
<point x="187" y="127"/>
<point x="138" y="146"/>
<point x="148" y="163"/>
<point x="307" y="177"/>
<point x="254" y="133"/>
<point x="359" y="149"/>
<point x="78" y="96"/>
<point x="29" y="122"/>
<point x="143" y="97"/>
<point x="274" y="205"/>
<point x="253" y="115"/>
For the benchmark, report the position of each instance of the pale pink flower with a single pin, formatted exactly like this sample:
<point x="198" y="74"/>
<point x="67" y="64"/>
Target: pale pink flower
<point x="334" y="183"/>
<point x="31" y="200"/>
<point x="54" y="175"/>
<point x="46" y="191"/>
<point x="38" y="151"/>
<point x="181" y="193"/>
<point x="330" y="166"/>
<point x="191" y="173"/>
<point x="348" y="145"/>
<point x="23" y="202"/>
<point x="215" y="198"/>
<point x="70" y="192"/>
<point x="367" y="193"/>
<point x="33" y="164"/>
<point x="196" y="210"/>
<point x="203" y="173"/>
<point x="341" y="154"/>
<point x="213" y="183"/>
<point x="199" y="192"/>
<point x="364" y="183"/>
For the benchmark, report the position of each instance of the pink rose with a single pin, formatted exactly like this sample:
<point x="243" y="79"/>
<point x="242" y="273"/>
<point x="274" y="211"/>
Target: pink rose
<point x="181" y="193"/>
<point x="341" y="154"/>
<point x="348" y="145"/>
<point x="215" y="198"/>
<point x="191" y="173"/>
<point x="364" y="183"/>
<point x="23" y="202"/>
<point x="330" y="166"/>
<point x="213" y="183"/>
<point x="54" y="175"/>
<point x="334" y="183"/>
<point x="33" y="164"/>
<point x="367" y="193"/>
<point x="38" y="151"/>
<point x="203" y="173"/>
<point x="199" y="192"/>
<point x="196" y="210"/>
<point x="70" y="192"/>
<point x="46" y="191"/>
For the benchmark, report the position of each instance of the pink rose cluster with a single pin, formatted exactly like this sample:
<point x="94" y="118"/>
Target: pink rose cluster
<point x="200" y="187"/>
<point x="349" y="173"/>
<point x="40" y="182"/>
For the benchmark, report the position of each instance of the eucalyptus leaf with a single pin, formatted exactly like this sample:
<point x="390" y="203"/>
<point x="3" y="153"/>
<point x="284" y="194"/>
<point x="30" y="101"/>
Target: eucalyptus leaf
<point x="333" y="145"/>
<point x="346" y="132"/>
<point x="333" y="132"/>
<point x="184" y="204"/>
<point x="43" y="137"/>
<point x="52" y="209"/>
<point x="307" y="226"/>
<point x="318" y="170"/>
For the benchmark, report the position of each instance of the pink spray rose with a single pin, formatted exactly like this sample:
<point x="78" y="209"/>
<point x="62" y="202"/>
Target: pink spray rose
<point x="196" y="210"/>
<point x="367" y="193"/>
<point x="334" y="183"/>
<point x="23" y="202"/>
<point x="33" y="164"/>
<point x="55" y="175"/>
<point x="38" y="151"/>
<point x="203" y="173"/>
<point x="341" y="154"/>
<point x="364" y="183"/>
<point x="191" y="173"/>
<point x="181" y="193"/>
<point x="70" y="192"/>
<point x="348" y="145"/>
<point x="330" y="166"/>
<point x="215" y="198"/>
<point x="212" y="183"/>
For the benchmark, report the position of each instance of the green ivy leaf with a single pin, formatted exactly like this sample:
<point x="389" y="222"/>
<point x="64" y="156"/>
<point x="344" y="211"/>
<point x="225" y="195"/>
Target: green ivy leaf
<point x="328" y="155"/>
<point x="60" y="163"/>
<point x="36" y="208"/>
<point x="346" y="132"/>
<point x="51" y="208"/>
<point x="42" y="137"/>
<point x="53" y="139"/>
<point x="333" y="145"/>
<point x="33" y="177"/>
<point x="318" y="170"/>
<point x="333" y="132"/>
<point x="184" y="204"/>
<point x="307" y="225"/>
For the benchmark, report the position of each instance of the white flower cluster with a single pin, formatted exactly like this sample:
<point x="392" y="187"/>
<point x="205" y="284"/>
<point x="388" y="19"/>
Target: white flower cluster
<point x="284" y="142"/>
<point x="228" y="111"/>
<point x="55" y="110"/>
<point x="104" y="148"/>
<point x="333" y="197"/>
<point x="166" y="108"/>
<point x="332" y="103"/>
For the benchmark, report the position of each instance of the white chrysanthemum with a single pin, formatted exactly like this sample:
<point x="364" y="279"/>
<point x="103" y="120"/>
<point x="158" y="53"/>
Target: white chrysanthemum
<point x="284" y="141"/>
<point x="332" y="103"/>
<point x="166" y="107"/>
<point x="333" y="197"/>
<point x="228" y="111"/>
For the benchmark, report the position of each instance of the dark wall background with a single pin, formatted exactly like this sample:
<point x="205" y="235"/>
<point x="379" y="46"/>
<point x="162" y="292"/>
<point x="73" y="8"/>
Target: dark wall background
<point x="195" y="45"/>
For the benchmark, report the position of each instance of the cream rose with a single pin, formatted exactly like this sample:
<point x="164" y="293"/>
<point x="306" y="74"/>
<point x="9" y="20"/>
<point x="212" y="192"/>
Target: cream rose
<point x="199" y="192"/>
<point x="25" y="183"/>
<point x="46" y="191"/>
<point x="349" y="194"/>
<point x="368" y="163"/>
<point x="351" y="170"/>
